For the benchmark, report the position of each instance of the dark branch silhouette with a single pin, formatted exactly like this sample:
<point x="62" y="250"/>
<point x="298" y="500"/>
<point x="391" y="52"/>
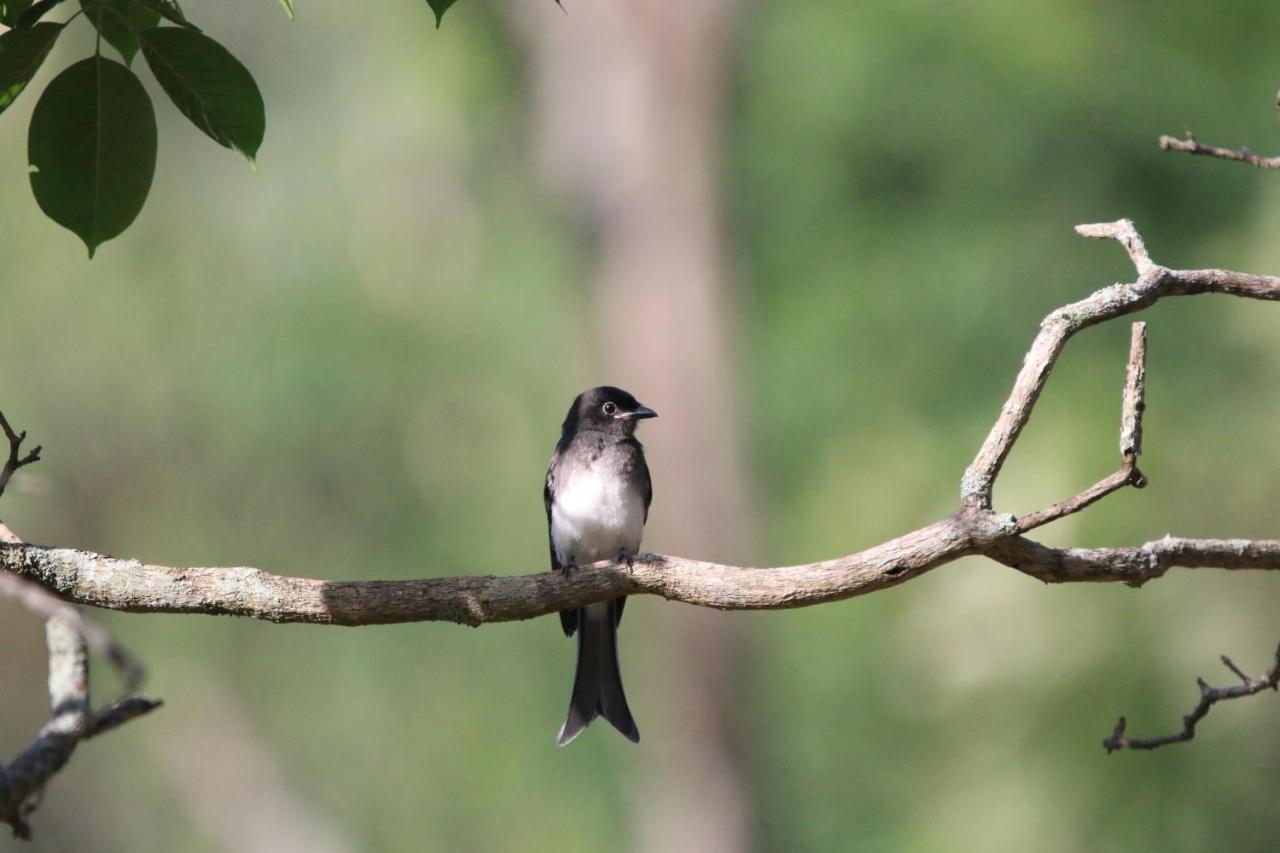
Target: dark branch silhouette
<point x="1209" y="696"/>
<point x="16" y="458"/>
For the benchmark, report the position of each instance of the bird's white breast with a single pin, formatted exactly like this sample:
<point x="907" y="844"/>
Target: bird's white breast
<point x="596" y="513"/>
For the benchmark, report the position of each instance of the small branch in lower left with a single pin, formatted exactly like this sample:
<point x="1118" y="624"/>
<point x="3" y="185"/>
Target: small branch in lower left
<point x="72" y="719"/>
<point x="70" y="635"/>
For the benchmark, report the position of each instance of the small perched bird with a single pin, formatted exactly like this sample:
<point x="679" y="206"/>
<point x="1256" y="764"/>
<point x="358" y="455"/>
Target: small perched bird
<point x="597" y="497"/>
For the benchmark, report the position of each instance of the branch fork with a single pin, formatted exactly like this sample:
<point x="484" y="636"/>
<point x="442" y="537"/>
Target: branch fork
<point x="72" y="719"/>
<point x="17" y="459"/>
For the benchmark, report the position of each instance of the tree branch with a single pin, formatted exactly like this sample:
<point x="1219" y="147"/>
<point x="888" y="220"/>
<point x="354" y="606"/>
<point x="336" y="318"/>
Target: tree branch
<point x="1209" y="696"/>
<point x="1192" y="146"/>
<point x="1239" y="155"/>
<point x="1133" y="565"/>
<point x="16" y="459"/>
<point x="121" y="584"/>
<point x="72" y="720"/>
<point x="1130" y="439"/>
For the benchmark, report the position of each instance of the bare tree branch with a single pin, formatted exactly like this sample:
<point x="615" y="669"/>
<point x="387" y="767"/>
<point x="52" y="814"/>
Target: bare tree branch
<point x="1134" y="565"/>
<point x="23" y="781"/>
<point x="1209" y="696"/>
<point x="120" y="584"/>
<point x="1135" y="397"/>
<point x="96" y="579"/>
<point x="1239" y="155"/>
<point x="16" y="460"/>
<point x="1192" y="146"/>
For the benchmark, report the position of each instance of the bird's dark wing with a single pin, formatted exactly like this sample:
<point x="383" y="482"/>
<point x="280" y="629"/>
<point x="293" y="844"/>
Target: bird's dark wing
<point x="568" y="618"/>
<point x="646" y="486"/>
<point x="547" y="488"/>
<point x="642" y="475"/>
<point x="641" y="472"/>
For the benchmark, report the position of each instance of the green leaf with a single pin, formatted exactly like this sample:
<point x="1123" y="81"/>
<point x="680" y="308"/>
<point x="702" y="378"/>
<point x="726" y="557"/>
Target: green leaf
<point x="34" y="13"/>
<point x="208" y="85"/>
<point x="21" y="53"/>
<point x="92" y="149"/>
<point x="11" y="11"/>
<point x="118" y="20"/>
<point x="288" y="8"/>
<point x="170" y="11"/>
<point x="440" y="7"/>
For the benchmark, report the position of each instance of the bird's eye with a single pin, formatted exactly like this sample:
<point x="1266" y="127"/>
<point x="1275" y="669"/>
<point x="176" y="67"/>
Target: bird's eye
<point x="609" y="408"/>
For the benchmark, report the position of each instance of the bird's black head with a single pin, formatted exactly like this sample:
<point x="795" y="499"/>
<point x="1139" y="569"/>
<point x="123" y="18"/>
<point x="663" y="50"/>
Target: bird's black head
<point x="605" y="409"/>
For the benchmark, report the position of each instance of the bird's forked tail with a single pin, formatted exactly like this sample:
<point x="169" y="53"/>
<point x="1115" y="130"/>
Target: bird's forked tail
<point x="597" y="684"/>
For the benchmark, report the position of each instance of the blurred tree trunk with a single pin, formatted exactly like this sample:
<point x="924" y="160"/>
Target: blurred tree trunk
<point x="628" y="106"/>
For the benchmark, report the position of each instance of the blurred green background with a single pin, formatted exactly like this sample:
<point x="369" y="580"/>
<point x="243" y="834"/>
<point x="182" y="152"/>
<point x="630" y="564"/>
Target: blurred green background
<point x="353" y="362"/>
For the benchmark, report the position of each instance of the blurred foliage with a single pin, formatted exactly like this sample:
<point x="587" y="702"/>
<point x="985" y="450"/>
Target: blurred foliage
<point x="353" y="363"/>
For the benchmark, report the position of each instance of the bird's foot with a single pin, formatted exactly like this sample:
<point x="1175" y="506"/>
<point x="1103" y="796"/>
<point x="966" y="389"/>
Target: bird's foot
<point x="568" y="568"/>
<point x="628" y="559"/>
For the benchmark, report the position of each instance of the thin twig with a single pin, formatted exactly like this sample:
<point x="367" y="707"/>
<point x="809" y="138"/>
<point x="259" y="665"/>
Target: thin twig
<point x="118" y="713"/>
<point x="1239" y="155"/>
<point x="1135" y="396"/>
<point x="72" y="720"/>
<point x="1130" y="436"/>
<point x="16" y="460"/>
<point x="1209" y="696"/>
<point x="1123" y="232"/>
<point x="1126" y="476"/>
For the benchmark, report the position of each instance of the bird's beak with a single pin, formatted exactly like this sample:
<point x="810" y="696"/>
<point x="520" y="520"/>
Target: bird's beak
<point x="641" y="412"/>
